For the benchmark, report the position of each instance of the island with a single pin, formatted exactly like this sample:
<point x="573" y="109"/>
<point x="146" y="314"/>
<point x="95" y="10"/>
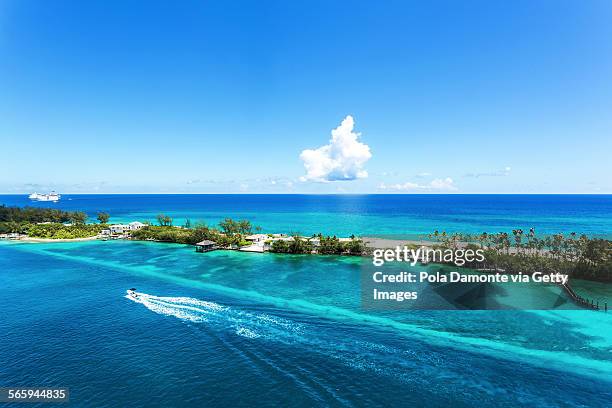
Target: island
<point x="578" y="256"/>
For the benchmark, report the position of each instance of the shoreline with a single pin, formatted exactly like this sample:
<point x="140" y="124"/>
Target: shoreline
<point x="47" y="240"/>
<point x="371" y="243"/>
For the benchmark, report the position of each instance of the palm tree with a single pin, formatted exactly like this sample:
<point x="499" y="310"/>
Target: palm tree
<point x="103" y="217"/>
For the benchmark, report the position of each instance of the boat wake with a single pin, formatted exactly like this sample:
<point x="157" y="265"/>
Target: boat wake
<point x="358" y="354"/>
<point x="245" y="324"/>
<point x="404" y="363"/>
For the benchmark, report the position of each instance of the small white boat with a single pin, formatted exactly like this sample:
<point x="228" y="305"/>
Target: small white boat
<point x="132" y="293"/>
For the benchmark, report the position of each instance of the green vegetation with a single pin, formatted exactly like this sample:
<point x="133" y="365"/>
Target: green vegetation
<point x="231" y="233"/>
<point x="35" y="215"/>
<point x="165" y="234"/>
<point x="231" y="227"/>
<point x="57" y="224"/>
<point x="43" y="221"/>
<point x="578" y="256"/>
<point x="297" y="245"/>
<point x="103" y="217"/>
<point x="164" y="220"/>
<point x="181" y="235"/>
<point x="327" y="246"/>
<point x="60" y="231"/>
<point x="332" y="245"/>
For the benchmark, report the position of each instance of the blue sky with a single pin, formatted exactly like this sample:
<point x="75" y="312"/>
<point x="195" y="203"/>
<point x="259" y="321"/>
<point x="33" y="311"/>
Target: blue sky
<point x="202" y="96"/>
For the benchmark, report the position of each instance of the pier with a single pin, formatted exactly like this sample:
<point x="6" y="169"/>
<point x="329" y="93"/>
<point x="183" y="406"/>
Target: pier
<point x="584" y="302"/>
<point x="575" y="297"/>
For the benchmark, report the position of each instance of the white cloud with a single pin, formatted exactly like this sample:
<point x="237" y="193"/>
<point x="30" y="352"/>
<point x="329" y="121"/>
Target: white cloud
<point x="446" y="184"/>
<point x="442" y="184"/>
<point x="498" y="173"/>
<point x="423" y="175"/>
<point x="341" y="159"/>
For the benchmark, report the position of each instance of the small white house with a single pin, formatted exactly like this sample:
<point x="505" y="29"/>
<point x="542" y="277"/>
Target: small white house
<point x="258" y="243"/>
<point x="118" y="228"/>
<point x="255" y="238"/>
<point x="134" y="226"/>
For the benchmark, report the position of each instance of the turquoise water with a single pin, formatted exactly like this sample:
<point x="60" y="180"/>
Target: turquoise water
<point x="408" y="216"/>
<point x="229" y="328"/>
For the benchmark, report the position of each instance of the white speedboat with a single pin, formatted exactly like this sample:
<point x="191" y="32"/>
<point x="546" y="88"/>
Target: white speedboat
<point x="132" y="293"/>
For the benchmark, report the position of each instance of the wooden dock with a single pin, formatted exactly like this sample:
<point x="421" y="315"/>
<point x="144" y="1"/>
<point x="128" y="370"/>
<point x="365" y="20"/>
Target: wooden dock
<point x="576" y="298"/>
<point x="584" y="302"/>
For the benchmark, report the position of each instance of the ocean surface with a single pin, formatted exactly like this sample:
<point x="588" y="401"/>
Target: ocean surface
<point x="230" y="328"/>
<point x="409" y="216"/>
<point x="238" y="329"/>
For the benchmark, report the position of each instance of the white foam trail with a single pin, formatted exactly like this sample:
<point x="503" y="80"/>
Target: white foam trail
<point x="163" y="308"/>
<point x="249" y="325"/>
<point x="361" y="355"/>
<point x="261" y="325"/>
<point x="287" y="324"/>
<point x="244" y="332"/>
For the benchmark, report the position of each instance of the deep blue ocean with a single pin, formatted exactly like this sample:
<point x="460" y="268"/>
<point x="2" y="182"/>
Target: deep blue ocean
<point x="384" y="215"/>
<point x="227" y="328"/>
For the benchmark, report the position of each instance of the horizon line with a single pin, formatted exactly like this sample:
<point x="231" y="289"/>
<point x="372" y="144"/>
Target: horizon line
<point x="329" y="194"/>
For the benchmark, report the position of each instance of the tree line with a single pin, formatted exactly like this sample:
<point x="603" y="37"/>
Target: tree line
<point x="232" y="233"/>
<point x="327" y="245"/>
<point x="524" y="251"/>
<point x="49" y="222"/>
<point x="22" y="219"/>
<point x="35" y="215"/>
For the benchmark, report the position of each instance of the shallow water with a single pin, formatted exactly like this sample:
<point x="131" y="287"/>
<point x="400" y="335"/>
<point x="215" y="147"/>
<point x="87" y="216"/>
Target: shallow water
<point x="227" y="328"/>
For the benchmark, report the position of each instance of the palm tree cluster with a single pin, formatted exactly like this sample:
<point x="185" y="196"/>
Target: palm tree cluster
<point x="325" y="245"/>
<point x="523" y="251"/>
<point x="20" y="219"/>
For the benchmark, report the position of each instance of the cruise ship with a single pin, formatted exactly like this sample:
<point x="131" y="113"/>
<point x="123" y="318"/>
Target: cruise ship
<point x="52" y="196"/>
